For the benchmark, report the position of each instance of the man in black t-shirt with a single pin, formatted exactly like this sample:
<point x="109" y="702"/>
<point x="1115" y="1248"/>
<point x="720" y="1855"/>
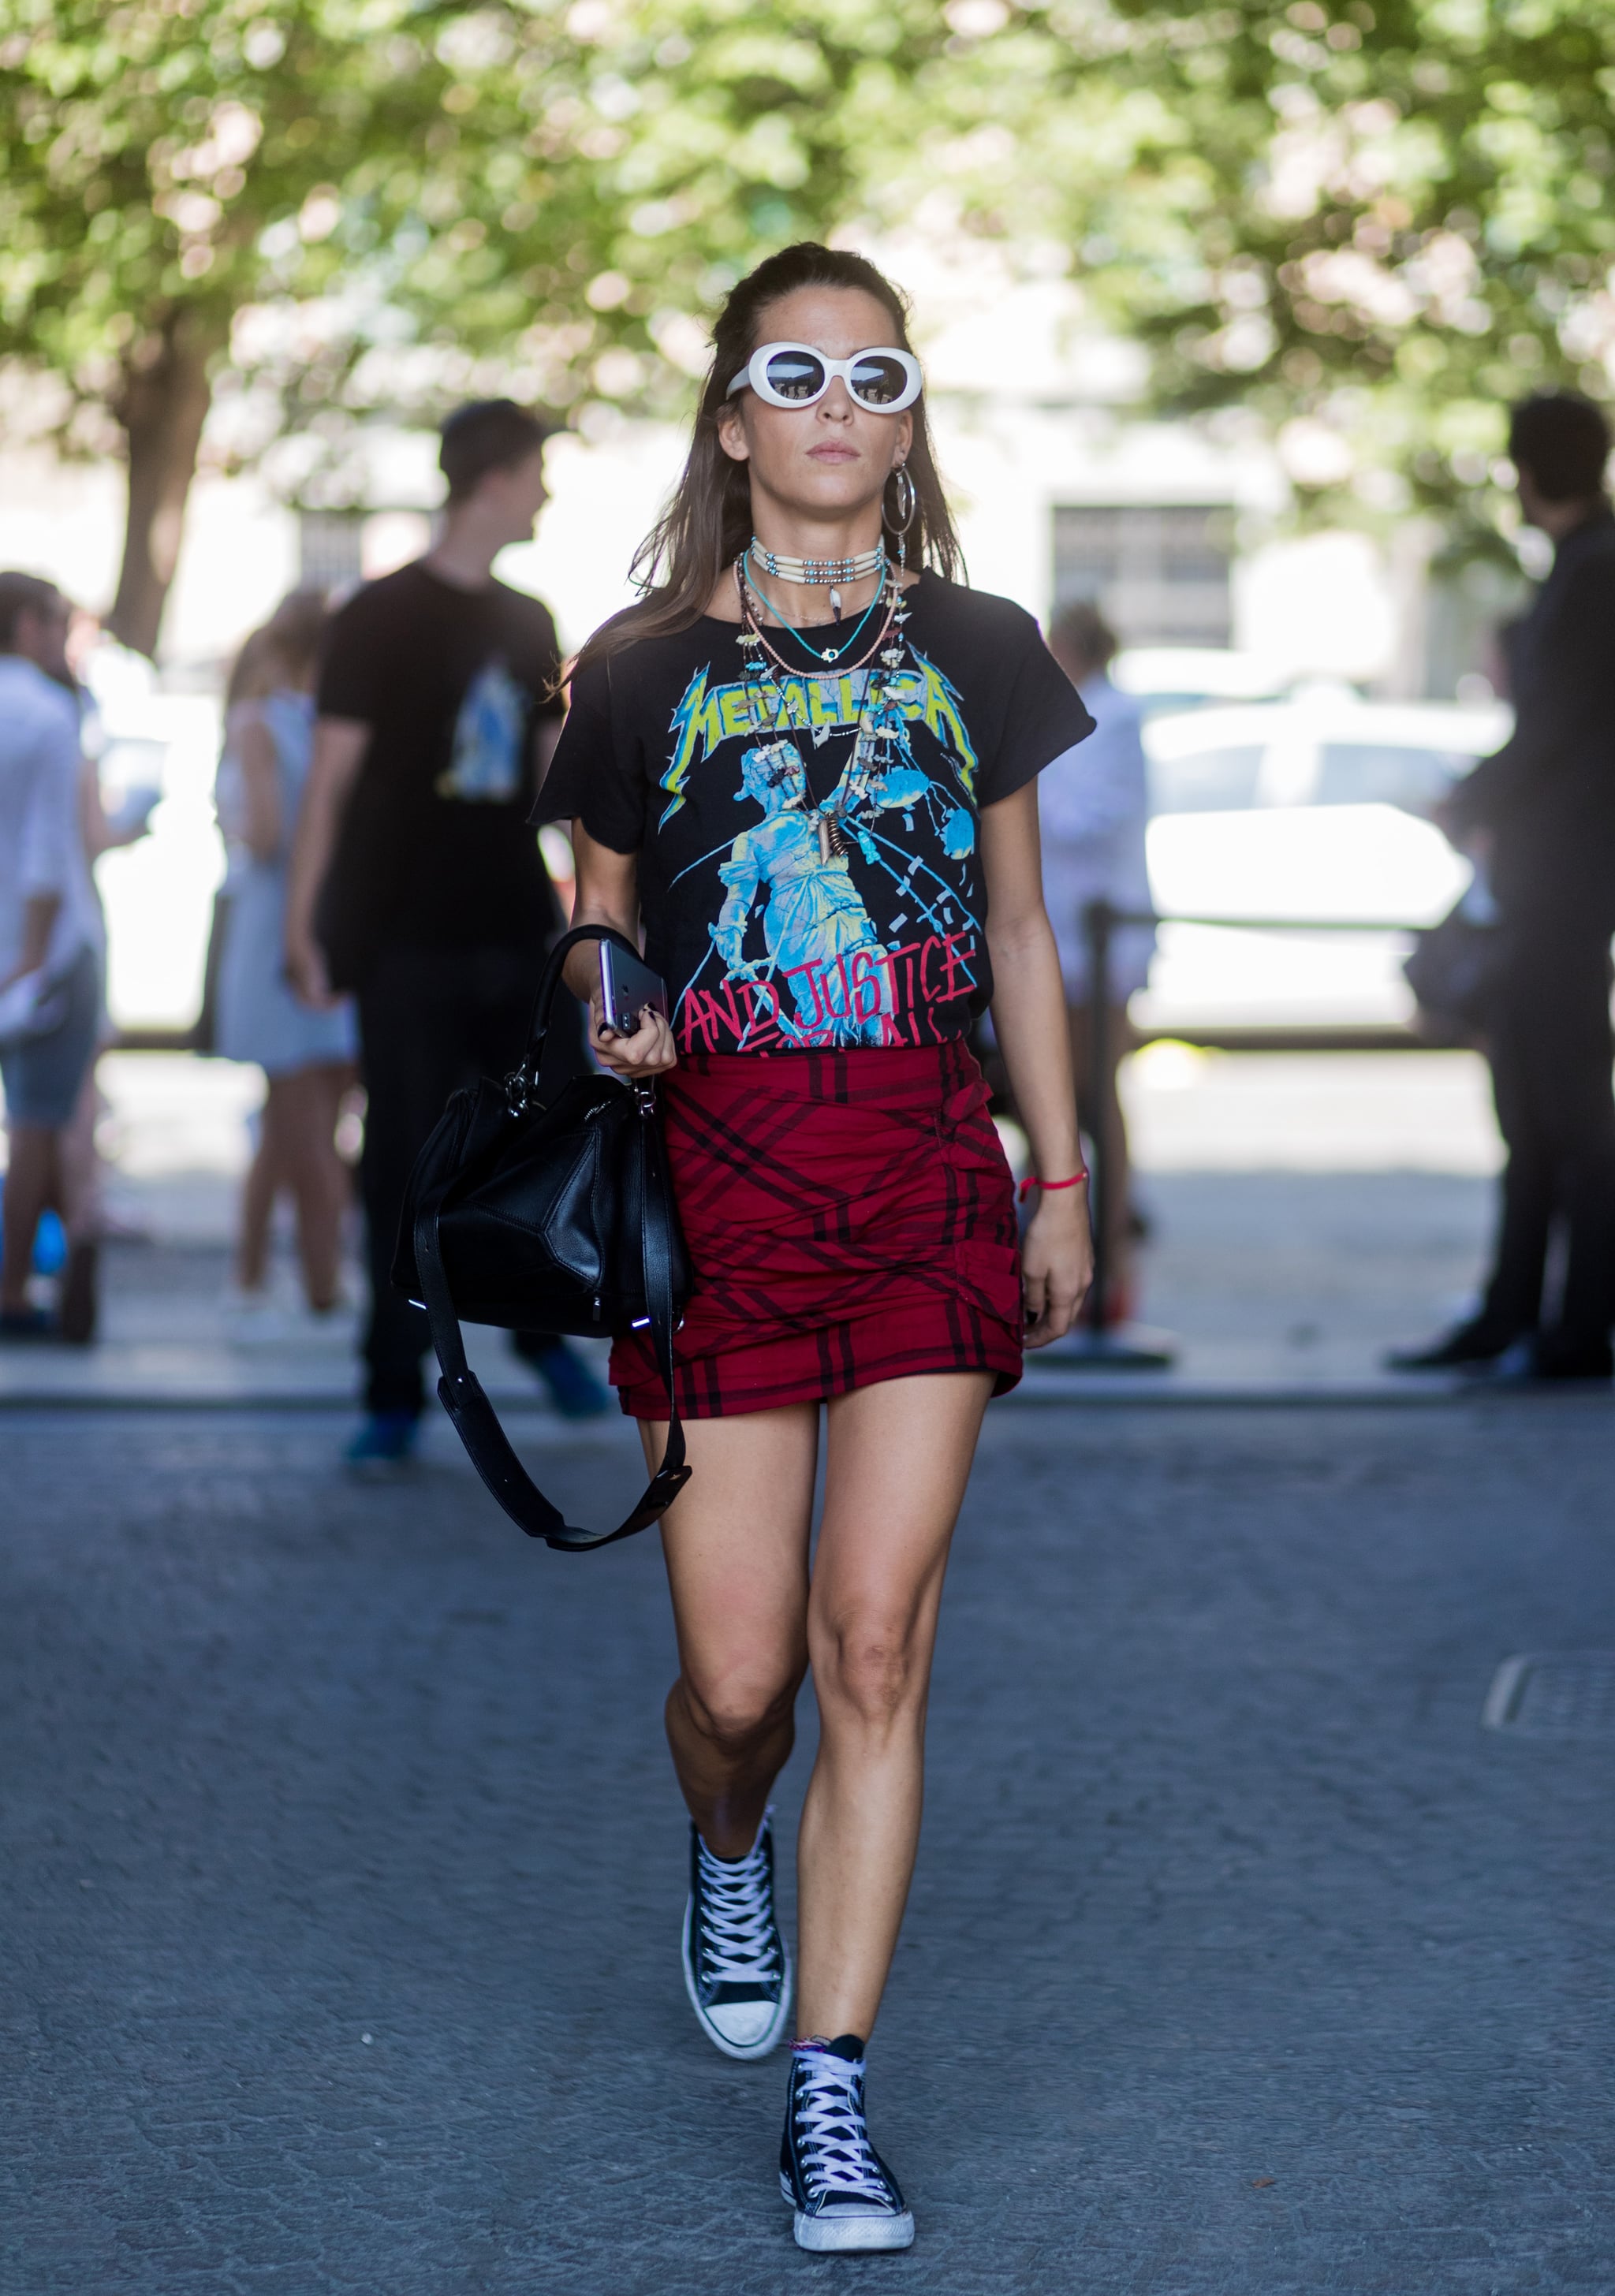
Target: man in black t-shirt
<point x="416" y="881"/>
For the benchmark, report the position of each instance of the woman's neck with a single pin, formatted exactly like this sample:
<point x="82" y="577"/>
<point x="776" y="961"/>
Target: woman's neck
<point x="786" y="537"/>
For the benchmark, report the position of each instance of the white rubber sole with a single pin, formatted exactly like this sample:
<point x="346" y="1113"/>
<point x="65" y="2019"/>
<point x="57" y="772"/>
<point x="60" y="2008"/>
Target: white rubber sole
<point x="752" y="2050"/>
<point x="858" y="2229"/>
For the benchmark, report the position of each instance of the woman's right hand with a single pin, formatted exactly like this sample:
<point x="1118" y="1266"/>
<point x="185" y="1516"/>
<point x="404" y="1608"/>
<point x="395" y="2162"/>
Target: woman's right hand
<point x="649" y="1051"/>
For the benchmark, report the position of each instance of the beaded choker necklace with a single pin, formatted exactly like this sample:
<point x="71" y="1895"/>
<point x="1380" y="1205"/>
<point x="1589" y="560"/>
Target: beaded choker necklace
<point x="818" y="573"/>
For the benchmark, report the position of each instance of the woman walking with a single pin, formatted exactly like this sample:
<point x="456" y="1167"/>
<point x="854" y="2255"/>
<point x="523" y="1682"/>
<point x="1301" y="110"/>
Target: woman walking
<point x="307" y="1057"/>
<point x="808" y="768"/>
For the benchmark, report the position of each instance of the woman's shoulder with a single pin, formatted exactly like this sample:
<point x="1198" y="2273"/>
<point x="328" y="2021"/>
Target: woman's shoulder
<point x="618" y="660"/>
<point x="974" y="615"/>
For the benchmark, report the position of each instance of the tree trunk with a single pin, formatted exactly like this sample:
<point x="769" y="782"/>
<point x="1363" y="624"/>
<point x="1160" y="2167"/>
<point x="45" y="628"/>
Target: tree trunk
<point x="162" y="406"/>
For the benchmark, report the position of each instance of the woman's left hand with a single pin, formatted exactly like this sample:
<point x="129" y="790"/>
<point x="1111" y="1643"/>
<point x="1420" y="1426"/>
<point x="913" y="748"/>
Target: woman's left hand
<point x="649" y="1051"/>
<point x="1056" y="1265"/>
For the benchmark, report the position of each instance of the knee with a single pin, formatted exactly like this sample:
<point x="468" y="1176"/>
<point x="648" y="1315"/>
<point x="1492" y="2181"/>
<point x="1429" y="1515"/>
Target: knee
<point x="868" y="1671"/>
<point x="734" y="1712"/>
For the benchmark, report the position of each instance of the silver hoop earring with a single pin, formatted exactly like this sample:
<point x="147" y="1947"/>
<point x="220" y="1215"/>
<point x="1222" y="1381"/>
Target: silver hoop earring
<point x="903" y="517"/>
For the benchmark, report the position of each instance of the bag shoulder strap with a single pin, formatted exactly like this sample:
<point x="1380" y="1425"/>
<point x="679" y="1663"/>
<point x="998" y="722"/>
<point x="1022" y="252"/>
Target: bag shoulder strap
<point x="465" y="1399"/>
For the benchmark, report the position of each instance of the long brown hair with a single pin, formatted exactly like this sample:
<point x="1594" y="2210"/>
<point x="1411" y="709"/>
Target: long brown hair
<point x="286" y="646"/>
<point x="708" y="523"/>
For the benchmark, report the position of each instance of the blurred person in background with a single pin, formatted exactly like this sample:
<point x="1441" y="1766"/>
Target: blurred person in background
<point x="83" y="1167"/>
<point x="52" y="954"/>
<point x="1539" y="817"/>
<point x="1093" y="810"/>
<point x="416" y="878"/>
<point x="307" y="1056"/>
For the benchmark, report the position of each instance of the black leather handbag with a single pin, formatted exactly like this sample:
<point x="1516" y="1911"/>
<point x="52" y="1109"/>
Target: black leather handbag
<point x="1454" y="972"/>
<point x="545" y="1219"/>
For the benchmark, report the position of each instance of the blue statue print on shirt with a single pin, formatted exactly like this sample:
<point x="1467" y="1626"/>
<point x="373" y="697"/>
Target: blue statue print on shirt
<point x="817" y="932"/>
<point x="847" y="914"/>
<point x="484" y="764"/>
<point x="820" y="938"/>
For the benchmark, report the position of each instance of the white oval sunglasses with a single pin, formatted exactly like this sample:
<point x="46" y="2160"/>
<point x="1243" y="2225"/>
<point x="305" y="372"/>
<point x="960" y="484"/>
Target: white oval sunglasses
<point x="794" y="374"/>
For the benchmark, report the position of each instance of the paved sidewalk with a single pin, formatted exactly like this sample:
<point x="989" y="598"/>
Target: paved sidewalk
<point x="340" y="1874"/>
<point x="1270" y="1284"/>
<point x="1308" y="1210"/>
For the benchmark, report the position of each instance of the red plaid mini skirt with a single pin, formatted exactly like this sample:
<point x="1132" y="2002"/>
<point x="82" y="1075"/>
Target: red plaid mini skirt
<point x="850" y="1218"/>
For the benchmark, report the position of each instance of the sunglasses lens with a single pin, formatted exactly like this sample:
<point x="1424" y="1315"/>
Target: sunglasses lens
<point x="795" y="375"/>
<point x="878" y="380"/>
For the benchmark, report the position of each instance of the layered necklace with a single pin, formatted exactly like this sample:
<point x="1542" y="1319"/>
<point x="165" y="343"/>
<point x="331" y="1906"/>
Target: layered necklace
<point x="819" y="573"/>
<point x="769" y="678"/>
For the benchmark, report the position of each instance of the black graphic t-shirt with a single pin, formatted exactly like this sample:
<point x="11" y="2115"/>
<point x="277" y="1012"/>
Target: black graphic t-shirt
<point x="803" y="885"/>
<point x="435" y="849"/>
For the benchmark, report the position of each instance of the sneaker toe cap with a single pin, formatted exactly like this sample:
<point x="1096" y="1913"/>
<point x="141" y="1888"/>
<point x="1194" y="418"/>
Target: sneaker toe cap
<point x="743" y="2024"/>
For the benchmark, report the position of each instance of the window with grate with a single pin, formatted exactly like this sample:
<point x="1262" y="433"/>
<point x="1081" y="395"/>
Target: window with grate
<point x="330" y="549"/>
<point x="1158" y="573"/>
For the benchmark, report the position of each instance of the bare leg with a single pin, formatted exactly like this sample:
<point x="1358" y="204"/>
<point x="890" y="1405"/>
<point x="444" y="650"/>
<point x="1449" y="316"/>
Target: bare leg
<point x="306" y="1106"/>
<point x="736" y="1546"/>
<point x="33" y="1181"/>
<point x="899" y="1456"/>
<point x="259" y="1192"/>
<point x="79" y="1164"/>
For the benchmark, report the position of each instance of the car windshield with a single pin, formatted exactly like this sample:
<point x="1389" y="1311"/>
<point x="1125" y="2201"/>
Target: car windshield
<point x="1206" y="781"/>
<point x="1385" y="772"/>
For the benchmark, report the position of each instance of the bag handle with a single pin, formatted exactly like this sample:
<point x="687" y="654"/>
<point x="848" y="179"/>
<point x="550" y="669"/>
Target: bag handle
<point x="526" y="1077"/>
<point x="459" y="1389"/>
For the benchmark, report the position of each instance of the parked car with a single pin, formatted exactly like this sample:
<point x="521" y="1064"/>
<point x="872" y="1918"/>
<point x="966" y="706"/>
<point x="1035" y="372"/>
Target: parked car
<point x="1166" y="679"/>
<point x="1312" y="809"/>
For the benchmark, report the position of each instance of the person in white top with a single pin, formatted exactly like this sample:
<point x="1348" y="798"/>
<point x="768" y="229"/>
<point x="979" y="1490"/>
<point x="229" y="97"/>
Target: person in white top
<point x="51" y="956"/>
<point x="1093" y="807"/>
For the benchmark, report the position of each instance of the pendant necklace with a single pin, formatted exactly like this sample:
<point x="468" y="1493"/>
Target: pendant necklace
<point x="757" y="655"/>
<point x="809" y="645"/>
<point x="819" y="573"/>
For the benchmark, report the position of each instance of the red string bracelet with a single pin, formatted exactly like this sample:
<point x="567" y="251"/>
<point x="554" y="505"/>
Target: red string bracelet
<point x="1032" y="1181"/>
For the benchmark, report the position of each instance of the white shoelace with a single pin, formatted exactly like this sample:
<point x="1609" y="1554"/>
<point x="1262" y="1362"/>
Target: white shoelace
<point x="739" y="1940"/>
<point x="832" y="2138"/>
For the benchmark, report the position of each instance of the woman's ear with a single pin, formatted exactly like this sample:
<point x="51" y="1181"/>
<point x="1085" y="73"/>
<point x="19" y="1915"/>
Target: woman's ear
<point x="731" y="432"/>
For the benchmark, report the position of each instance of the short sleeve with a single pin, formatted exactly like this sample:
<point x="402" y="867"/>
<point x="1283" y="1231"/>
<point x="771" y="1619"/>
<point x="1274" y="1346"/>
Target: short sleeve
<point x="1045" y="718"/>
<point x="50" y="844"/>
<point x="595" y="776"/>
<point x="354" y="668"/>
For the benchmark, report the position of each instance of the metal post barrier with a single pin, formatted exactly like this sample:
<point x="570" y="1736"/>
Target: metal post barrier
<point x="1096" y="1344"/>
<point x="1099" y="922"/>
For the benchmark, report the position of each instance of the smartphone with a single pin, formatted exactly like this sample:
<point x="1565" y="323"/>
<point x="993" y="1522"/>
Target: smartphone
<point x="627" y="987"/>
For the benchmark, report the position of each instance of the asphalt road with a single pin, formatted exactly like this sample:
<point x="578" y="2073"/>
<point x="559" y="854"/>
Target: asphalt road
<point x="342" y="1872"/>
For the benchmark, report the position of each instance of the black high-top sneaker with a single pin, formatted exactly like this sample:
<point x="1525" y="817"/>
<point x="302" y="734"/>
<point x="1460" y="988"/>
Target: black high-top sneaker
<point x="844" y="2195"/>
<point x="737" y="1971"/>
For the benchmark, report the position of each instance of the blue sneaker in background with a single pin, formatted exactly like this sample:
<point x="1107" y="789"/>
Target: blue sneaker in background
<point x="386" y="1440"/>
<point x="574" y="1390"/>
<point x="50" y="1245"/>
<point x="50" y="1240"/>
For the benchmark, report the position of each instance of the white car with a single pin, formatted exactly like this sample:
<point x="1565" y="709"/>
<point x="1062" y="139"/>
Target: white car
<point x="1312" y="809"/>
<point x="1166" y="679"/>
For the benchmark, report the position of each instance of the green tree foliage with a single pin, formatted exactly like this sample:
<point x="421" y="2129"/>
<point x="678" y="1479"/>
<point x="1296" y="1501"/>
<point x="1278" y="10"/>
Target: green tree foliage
<point x="330" y="204"/>
<point x="1371" y="223"/>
